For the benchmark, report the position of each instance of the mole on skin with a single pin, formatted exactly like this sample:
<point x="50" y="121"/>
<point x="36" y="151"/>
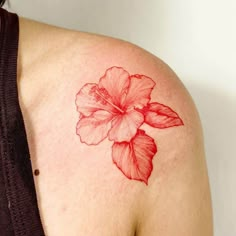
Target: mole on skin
<point x="36" y="172"/>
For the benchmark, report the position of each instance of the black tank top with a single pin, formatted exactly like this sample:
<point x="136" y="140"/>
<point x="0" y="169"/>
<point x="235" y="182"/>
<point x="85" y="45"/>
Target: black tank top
<point x="19" y="214"/>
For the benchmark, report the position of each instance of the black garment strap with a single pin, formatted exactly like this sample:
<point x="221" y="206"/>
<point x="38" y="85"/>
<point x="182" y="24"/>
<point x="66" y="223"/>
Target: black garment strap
<point x="17" y="191"/>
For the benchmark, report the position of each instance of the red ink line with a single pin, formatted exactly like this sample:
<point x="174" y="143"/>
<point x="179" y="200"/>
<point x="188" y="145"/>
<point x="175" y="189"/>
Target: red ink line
<point x="133" y="150"/>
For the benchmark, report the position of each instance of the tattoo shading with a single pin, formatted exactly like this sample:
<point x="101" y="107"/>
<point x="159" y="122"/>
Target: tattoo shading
<point x="116" y="108"/>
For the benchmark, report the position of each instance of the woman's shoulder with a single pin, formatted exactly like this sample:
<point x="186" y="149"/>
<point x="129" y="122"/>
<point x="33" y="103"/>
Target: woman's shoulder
<point x="75" y="57"/>
<point x="86" y="99"/>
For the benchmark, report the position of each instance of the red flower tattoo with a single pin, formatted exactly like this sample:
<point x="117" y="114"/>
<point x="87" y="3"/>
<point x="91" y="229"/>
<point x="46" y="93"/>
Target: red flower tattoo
<point x="116" y="108"/>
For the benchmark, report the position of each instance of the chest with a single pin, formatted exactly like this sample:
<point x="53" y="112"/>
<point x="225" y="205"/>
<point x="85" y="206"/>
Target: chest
<point x="80" y="190"/>
<point x="85" y="194"/>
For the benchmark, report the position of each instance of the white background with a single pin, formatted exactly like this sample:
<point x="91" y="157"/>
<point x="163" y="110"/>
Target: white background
<point x="198" y="40"/>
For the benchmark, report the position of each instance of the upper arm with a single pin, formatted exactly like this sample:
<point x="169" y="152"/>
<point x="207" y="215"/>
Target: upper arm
<point x="176" y="200"/>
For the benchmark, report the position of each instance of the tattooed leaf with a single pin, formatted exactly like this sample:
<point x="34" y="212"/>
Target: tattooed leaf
<point x="134" y="158"/>
<point x="161" y="116"/>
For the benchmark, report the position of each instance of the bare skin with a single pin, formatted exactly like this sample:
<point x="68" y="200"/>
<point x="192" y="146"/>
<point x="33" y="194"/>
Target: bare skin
<point x="79" y="190"/>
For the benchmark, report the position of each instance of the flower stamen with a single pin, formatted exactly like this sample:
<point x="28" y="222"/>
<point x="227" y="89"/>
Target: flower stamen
<point x="105" y="97"/>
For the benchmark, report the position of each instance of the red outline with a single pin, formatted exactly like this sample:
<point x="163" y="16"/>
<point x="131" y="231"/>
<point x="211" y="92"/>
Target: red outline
<point x="114" y="95"/>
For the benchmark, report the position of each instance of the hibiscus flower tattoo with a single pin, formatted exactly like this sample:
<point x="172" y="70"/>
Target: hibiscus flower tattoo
<point x="116" y="108"/>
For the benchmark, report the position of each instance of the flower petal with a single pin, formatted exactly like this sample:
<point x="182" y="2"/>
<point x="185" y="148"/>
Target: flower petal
<point x="124" y="126"/>
<point x="94" y="129"/>
<point x="139" y="92"/>
<point x="134" y="158"/>
<point x="115" y="81"/>
<point x="89" y="100"/>
<point x="161" y="116"/>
